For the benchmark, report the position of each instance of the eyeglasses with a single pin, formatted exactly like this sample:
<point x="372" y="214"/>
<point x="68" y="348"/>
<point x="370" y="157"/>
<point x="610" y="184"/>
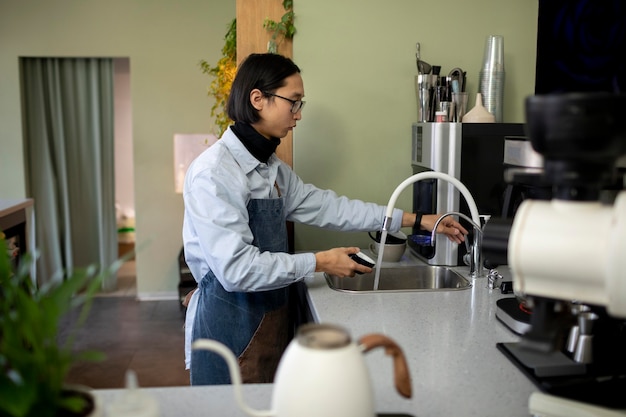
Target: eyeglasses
<point x="296" y="105"/>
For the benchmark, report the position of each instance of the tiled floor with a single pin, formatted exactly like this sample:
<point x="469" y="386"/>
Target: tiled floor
<point x="145" y="336"/>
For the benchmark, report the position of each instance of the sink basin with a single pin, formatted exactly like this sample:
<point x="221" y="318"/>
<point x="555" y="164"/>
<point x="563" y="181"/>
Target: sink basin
<point x="401" y="279"/>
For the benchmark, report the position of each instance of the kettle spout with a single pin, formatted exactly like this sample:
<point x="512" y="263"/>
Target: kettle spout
<point x="235" y="374"/>
<point x="400" y="366"/>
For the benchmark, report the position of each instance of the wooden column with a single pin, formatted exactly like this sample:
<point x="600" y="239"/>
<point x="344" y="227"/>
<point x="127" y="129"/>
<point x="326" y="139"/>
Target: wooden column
<point x="253" y="38"/>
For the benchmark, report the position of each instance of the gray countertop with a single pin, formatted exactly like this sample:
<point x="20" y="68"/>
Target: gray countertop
<point x="449" y="339"/>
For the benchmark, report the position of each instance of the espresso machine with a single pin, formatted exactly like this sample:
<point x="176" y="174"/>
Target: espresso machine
<point x="470" y="152"/>
<point x="567" y="256"/>
<point x="523" y="174"/>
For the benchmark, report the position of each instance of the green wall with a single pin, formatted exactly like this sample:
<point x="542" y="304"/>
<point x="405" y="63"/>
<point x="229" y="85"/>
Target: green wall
<point x="165" y="40"/>
<point x="358" y="62"/>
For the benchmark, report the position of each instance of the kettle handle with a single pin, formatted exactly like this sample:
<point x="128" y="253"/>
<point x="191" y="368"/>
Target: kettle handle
<point x="400" y="366"/>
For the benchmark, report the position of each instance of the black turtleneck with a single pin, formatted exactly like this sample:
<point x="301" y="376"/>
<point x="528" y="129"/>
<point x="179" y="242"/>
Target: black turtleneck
<point x="258" y="145"/>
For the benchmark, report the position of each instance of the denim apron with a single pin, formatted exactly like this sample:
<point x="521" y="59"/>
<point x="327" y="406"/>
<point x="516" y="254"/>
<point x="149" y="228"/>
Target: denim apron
<point x="256" y="326"/>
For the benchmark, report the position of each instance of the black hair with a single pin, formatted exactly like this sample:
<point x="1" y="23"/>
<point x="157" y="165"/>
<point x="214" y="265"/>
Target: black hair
<point x="267" y="72"/>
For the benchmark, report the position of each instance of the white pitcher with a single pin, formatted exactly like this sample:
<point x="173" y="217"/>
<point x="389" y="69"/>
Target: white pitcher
<point x="321" y="373"/>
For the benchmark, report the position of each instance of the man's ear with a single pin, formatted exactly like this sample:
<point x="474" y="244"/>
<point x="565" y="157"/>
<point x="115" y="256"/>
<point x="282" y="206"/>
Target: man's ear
<point x="257" y="99"/>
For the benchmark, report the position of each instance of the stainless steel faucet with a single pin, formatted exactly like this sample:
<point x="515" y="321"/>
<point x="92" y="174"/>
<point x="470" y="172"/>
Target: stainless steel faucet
<point x="471" y="204"/>
<point x="476" y="262"/>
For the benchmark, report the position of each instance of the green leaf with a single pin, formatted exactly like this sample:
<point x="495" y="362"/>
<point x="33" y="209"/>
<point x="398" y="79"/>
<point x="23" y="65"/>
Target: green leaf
<point x="15" y="399"/>
<point x="223" y="72"/>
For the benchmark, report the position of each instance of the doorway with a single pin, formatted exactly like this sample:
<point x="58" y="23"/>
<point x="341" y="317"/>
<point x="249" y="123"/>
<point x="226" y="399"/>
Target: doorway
<point x="78" y="151"/>
<point x="124" y="177"/>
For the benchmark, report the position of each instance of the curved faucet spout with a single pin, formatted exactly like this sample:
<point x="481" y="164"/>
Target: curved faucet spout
<point x="430" y="175"/>
<point x="476" y="267"/>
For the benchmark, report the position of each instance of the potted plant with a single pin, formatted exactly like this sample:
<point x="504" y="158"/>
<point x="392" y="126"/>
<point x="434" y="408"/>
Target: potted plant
<point x="33" y="361"/>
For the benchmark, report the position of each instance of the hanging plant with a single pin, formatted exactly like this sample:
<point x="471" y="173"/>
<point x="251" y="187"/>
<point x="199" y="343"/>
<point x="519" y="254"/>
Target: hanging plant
<point x="225" y="69"/>
<point x="224" y="73"/>
<point x="284" y="29"/>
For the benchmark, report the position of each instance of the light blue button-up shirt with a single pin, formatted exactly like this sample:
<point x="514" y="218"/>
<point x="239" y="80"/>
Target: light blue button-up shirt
<point x="218" y="186"/>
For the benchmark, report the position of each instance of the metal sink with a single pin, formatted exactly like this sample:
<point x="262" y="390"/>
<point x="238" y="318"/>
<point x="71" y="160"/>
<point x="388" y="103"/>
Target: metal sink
<point x="402" y="279"/>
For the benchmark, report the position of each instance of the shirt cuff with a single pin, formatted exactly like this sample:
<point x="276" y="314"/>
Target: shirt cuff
<point x="305" y="265"/>
<point x="396" y="220"/>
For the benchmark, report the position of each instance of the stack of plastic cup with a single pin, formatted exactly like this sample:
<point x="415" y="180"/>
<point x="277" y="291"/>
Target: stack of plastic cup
<point x="491" y="77"/>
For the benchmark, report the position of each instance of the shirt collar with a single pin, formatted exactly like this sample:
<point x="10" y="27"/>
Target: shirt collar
<point x="243" y="157"/>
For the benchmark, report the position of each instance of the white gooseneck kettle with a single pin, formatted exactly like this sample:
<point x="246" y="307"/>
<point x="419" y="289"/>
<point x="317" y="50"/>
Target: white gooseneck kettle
<point x="322" y="363"/>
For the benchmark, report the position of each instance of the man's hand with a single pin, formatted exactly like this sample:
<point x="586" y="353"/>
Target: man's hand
<point x="448" y="226"/>
<point x="337" y="262"/>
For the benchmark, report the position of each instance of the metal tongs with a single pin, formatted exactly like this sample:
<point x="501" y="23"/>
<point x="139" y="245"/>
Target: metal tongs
<point x="422" y="66"/>
<point x="457" y="76"/>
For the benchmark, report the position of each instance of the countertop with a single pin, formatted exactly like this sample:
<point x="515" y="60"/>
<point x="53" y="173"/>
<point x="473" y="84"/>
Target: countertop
<point x="448" y="337"/>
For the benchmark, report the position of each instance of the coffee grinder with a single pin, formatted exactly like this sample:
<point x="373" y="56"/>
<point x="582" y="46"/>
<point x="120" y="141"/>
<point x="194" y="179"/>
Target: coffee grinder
<point x="568" y="257"/>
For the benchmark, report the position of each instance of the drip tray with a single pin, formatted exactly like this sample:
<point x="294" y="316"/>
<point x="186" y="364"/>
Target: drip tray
<point x="558" y="375"/>
<point x="512" y="315"/>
